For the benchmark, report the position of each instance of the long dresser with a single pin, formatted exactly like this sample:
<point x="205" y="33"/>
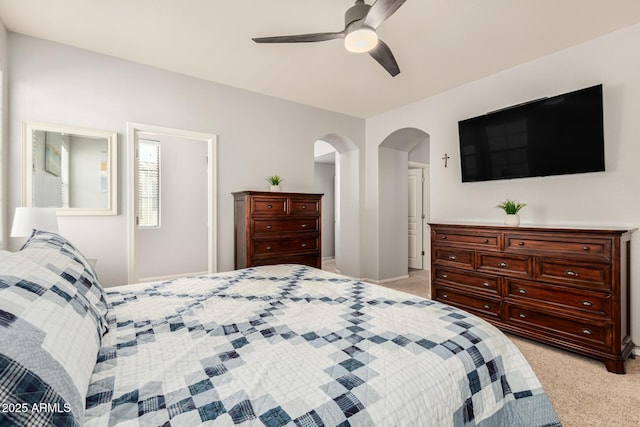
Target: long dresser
<point x="277" y="228"/>
<point x="562" y="286"/>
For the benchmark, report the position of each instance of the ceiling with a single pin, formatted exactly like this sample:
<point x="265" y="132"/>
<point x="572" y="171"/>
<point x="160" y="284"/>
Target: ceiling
<point x="439" y="44"/>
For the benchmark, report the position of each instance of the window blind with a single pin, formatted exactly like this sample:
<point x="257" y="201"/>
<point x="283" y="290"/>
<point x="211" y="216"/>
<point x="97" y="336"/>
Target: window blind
<point x="148" y="183"/>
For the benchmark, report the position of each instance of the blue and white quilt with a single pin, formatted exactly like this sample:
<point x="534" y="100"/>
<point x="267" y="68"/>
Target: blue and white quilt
<point x="291" y="345"/>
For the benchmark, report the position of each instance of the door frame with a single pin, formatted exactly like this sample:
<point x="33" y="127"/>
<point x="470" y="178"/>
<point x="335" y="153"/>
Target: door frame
<point x="133" y="129"/>
<point x="426" y="230"/>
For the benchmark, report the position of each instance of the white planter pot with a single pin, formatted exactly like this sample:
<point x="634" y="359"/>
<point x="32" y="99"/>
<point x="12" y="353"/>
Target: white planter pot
<point x="275" y="188"/>
<point x="512" y="220"/>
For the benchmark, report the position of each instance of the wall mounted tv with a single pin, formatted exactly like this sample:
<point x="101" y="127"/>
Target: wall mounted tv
<point x="551" y="136"/>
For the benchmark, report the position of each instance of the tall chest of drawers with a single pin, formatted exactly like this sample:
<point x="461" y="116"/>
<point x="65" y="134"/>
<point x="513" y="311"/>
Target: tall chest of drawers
<point x="277" y="228"/>
<point x="562" y="286"/>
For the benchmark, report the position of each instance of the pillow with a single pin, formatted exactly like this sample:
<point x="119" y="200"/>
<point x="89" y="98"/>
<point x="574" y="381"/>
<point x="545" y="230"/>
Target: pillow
<point x="49" y="342"/>
<point x="62" y="258"/>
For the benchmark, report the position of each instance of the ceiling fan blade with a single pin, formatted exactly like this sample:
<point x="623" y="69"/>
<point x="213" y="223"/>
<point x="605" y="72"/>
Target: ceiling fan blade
<point x="383" y="55"/>
<point x="380" y="11"/>
<point x="301" y="38"/>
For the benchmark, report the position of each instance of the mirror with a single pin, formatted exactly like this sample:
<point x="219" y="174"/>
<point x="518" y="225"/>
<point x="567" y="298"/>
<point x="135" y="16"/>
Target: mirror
<point x="72" y="169"/>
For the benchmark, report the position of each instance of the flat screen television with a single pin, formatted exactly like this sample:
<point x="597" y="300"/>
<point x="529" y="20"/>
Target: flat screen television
<point x="551" y="136"/>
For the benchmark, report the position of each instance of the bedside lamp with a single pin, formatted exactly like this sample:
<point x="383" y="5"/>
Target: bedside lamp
<point x="26" y="220"/>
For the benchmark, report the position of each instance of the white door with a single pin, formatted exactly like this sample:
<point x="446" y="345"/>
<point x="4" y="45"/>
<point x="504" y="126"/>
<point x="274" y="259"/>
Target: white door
<point x="415" y="219"/>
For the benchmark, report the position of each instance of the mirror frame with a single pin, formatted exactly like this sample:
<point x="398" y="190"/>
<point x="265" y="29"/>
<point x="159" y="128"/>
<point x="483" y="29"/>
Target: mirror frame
<point x="29" y="127"/>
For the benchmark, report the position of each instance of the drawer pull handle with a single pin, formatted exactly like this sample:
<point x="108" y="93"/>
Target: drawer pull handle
<point x="520" y="243"/>
<point x="486" y="284"/>
<point x="522" y="316"/>
<point x="585" y="248"/>
<point x="269" y="206"/>
<point x="304" y="225"/>
<point x="587" y="331"/>
<point x="522" y="291"/>
<point x="268" y="248"/>
<point x="503" y="264"/>
<point x="444" y="237"/>
<point x="445" y="296"/>
<point x="453" y="257"/>
<point x="304" y="245"/>
<point x="304" y="206"/>
<point x="485" y="241"/>
<point x="586" y="303"/>
<point x="486" y="307"/>
<point x="571" y="273"/>
<point x="269" y="227"/>
<point x="444" y="276"/>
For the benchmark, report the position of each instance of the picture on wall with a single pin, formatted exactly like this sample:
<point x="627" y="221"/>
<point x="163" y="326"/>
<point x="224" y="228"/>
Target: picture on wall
<point x="52" y="157"/>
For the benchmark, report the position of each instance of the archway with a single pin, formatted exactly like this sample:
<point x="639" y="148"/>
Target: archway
<point x="394" y="156"/>
<point x="346" y="204"/>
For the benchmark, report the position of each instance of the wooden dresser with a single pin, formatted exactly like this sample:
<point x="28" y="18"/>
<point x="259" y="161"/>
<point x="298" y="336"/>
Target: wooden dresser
<point x="277" y="228"/>
<point x="566" y="287"/>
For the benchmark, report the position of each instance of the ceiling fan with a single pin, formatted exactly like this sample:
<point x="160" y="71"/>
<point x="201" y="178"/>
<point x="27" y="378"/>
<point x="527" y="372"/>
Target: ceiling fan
<point x="359" y="34"/>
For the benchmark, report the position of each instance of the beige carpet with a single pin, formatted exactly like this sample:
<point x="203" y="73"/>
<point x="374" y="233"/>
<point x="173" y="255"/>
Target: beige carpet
<point x="581" y="390"/>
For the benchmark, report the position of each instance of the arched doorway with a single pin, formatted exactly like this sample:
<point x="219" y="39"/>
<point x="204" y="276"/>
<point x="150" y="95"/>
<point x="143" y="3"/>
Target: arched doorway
<point x="346" y="204"/>
<point x="402" y="149"/>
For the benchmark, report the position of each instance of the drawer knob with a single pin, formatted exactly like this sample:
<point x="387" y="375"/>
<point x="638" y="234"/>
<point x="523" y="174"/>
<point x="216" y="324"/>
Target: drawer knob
<point x="444" y="276"/>
<point x="503" y="264"/>
<point x="445" y="296"/>
<point x="522" y="291"/>
<point x="520" y="243"/>
<point x="485" y="241"/>
<point x="486" y="284"/>
<point x="522" y="316"/>
<point x="268" y="248"/>
<point x="444" y="237"/>
<point x="304" y="245"/>
<point x="453" y="257"/>
<point x="486" y="307"/>
<point x="585" y="248"/>
<point x="587" y="331"/>
<point x="586" y="303"/>
<point x="571" y="273"/>
<point x="304" y="206"/>
<point x="304" y="225"/>
<point x="269" y="206"/>
<point x="269" y="227"/>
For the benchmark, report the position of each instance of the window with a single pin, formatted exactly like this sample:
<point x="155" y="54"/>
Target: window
<point x="148" y="184"/>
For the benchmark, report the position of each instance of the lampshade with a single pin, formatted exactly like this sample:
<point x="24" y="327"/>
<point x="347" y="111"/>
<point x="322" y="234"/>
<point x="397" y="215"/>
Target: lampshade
<point x="26" y="220"/>
<point x="361" y="40"/>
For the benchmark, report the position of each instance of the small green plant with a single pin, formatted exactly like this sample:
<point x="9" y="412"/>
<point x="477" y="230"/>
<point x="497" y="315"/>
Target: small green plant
<point x="274" y="180"/>
<point x="511" y="207"/>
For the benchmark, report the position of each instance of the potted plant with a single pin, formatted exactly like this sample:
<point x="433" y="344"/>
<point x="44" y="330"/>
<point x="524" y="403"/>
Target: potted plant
<point x="511" y="209"/>
<point x="275" y="181"/>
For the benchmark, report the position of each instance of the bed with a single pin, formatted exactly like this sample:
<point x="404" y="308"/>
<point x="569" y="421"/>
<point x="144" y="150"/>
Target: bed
<point x="274" y="346"/>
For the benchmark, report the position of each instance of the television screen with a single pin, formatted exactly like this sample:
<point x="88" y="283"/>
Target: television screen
<point x="551" y="136"/>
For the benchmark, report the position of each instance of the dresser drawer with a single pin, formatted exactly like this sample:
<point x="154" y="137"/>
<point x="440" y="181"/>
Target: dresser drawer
<point x="487" y="307"/>
<point x="565" y="246"/>
<point x="452" y="256"/>
<point x="283" y="226"/>
<point x="477" y="281"/>
<point x="504" y="264"/>
<point x="312" y="260"/>
<point x="597" y="304"/>
<point x="582" y="331"/>
<point x="595" y="276"/>
<point x="484" y="239"/>
<point x="269" y="206"/>
<point x="269" y="247"/>
<point x="305" y="207"/>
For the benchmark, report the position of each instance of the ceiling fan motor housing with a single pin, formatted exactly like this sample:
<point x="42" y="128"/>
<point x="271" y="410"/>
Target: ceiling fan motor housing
<point x="356" y="12"/>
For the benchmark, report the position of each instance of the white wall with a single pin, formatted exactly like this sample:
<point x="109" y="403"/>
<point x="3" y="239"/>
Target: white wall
<point x="4" y="136"/>
<point x="610" y="198"/>
<point x="257" y="135"/>
<point x="325" y="184"/>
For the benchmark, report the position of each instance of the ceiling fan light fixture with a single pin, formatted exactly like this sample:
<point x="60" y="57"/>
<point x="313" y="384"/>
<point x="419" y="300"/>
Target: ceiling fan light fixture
<point x="361" y="40"/>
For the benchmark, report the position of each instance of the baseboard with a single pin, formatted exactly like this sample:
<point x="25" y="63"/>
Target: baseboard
<point x="377" y="282"/>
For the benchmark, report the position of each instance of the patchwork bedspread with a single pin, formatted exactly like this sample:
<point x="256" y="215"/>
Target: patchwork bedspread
<point x="296" y="346"/>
